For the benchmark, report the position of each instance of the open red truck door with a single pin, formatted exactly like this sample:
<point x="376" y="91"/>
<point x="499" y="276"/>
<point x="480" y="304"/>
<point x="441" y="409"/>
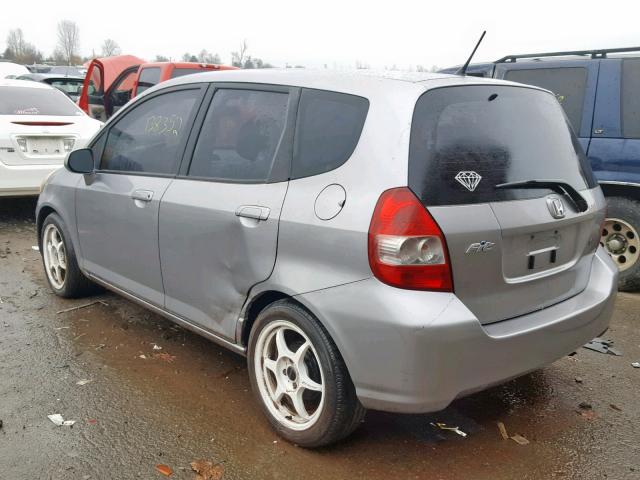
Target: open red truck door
<point x="108" y="85"/>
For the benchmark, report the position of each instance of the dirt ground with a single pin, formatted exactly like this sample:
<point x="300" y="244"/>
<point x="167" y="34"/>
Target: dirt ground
<point x="191" y="400"/>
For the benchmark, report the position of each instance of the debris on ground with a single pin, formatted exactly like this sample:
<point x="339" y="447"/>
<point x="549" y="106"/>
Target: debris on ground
<point x="92" y="421"/>
<point x="164" y="356"/>
<point x="503" y="431"/>
<point x="444" y="426"/>
<point x="157" y="347"/>
<point x="578" y="379"/>
<point x="520" y="440"/>
<point x="1" y="425"/>
<point x="144" y="357"/>
<point x="165" y="470"/>
<point x="635" y="364"/>
<point x="66" y="310"/>
<point x="615" y="407"/>
<point x="84" y="381"/>
<point x="60" y="421"/>
<point x="586" y="411"/>
<point x="207" y="470"/>
<point x="602" y="346"/>
<point x="35" y="248"/>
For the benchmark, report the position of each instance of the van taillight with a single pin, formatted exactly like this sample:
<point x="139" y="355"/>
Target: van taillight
<point x="406" y="247"/>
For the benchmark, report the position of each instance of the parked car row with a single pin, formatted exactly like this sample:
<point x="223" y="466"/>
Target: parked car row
<point x="365" y="241"/>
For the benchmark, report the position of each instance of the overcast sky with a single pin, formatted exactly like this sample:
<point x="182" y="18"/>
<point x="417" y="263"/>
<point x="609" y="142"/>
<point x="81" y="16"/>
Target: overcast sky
<point x="337" y="33"/>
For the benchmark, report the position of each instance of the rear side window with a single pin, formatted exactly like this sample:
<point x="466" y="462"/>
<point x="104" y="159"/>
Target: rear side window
<point x="149" y="138"/>
<point x="181" y="72"/>
<point x="240" y="135"/>
<point x="36" y="101"/>
<point x="328" y="129"/>
<point x="467" y="139"/>
<point x="148" y="78"/>
<point x="631" y="98"/>
<point x="567" y="83"/>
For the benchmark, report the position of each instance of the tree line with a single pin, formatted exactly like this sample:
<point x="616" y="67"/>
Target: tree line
<point x="67" y="50"/>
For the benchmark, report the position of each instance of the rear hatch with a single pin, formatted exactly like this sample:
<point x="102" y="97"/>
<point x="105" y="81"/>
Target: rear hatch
<point x="40" y="125"/>
<point x="513" y="250"/>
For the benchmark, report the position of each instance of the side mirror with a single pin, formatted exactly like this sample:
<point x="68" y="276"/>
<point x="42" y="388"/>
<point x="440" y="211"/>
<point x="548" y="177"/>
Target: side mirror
<point x="80" y="161"/>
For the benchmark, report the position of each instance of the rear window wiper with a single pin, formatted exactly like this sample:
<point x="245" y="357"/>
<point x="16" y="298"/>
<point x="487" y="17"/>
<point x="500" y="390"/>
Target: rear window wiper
<point x="563" y="188"/>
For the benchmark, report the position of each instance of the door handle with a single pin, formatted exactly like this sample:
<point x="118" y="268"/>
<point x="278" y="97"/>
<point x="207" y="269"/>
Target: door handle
<point x="142" y="195"/>
<point x="253" y="211"/>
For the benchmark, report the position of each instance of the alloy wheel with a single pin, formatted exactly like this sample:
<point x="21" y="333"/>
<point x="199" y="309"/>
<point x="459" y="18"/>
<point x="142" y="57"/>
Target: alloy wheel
<point x="55" y="256"/>
<point x="289" y="375"/>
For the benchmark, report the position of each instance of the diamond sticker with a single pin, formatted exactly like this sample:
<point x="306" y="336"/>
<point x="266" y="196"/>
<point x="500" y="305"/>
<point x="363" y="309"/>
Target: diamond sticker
<point x="469" y="179"/>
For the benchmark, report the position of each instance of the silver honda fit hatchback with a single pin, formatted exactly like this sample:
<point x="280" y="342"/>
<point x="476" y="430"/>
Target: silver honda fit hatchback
<point x="366" y="241"/>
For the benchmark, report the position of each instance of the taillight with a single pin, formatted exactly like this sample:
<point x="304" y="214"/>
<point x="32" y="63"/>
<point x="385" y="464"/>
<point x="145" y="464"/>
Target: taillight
<point x="406" y="247"/>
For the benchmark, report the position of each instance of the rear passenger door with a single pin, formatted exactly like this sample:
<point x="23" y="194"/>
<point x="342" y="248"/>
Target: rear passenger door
<point x="572" y="81"/>
<point x="117" y="206"/>
<point x="219" y="219"/>
<point x="615" y="147"/>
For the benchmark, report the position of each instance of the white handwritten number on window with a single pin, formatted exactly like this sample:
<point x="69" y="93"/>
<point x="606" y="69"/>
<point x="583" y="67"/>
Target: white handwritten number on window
<point x="163" y="125"/>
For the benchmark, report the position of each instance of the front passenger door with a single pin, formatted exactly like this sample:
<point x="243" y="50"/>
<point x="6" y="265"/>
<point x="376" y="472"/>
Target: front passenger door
<point x="117" y="206"/>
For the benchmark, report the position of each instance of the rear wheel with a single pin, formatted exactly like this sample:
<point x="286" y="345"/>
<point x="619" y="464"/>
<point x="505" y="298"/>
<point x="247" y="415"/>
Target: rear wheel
<point x="300" y="379"/>
<point x="60" y="263"/>
<point x="620" y="239"/>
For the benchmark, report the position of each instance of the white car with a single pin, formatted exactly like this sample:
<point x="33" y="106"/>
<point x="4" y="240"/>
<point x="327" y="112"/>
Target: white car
<point x="39" y="126"/>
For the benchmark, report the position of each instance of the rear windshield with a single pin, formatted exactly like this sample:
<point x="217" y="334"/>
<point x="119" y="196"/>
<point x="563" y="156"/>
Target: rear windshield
<point x="35" y="101"/>
<point x="467" y="139"/>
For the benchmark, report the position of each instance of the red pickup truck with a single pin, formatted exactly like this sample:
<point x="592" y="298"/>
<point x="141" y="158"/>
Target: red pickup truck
<point x="112" y="81"/>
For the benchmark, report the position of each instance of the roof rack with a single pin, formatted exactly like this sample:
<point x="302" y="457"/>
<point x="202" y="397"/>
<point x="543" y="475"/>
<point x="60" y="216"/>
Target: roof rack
<point x="593" y="53"/>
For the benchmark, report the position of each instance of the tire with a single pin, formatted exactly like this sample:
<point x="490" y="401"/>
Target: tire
<point x="620" y="238"/>
<point x="72" y="283"/>
<point x="335" y="411"/>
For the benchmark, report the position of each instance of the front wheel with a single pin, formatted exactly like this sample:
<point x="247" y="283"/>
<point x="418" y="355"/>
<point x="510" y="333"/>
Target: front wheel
<point x="300" y="379"/>
<point x="59" y="260"/>
<point x="620" y="239"/>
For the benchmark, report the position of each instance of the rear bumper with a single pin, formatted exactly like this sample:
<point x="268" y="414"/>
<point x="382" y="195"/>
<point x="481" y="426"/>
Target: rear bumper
<point x="23" y="180"/>
<point x="413" y="352"/>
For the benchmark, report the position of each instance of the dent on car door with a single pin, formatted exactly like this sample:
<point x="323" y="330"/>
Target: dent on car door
<point x="219" y="220"/>
<point x="117" y="206"/>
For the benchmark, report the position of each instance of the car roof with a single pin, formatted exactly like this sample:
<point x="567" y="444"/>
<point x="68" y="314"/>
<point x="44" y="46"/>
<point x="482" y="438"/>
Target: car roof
<point x="361" y="82"/>
<point x="10" y="82"/>
<point x="46" y="76"/>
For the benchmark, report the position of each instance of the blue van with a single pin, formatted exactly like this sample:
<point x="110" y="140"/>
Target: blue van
<point x="600" y="93"/>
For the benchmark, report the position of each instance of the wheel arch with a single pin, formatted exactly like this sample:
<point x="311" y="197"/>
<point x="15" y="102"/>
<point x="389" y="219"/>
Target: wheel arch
<point x="43" y="213"/>
<point x="262" y="301"/>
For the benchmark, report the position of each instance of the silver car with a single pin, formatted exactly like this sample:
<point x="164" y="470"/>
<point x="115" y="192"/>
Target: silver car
<point x="367" y="242"/>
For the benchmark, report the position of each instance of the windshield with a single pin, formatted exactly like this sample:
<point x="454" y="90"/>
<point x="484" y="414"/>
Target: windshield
<point x="36" y="101"/>
<point x="467" y="139"/>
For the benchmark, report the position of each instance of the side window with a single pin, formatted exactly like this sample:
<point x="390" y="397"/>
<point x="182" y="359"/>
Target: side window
<point x="121" y="92"/>
<point x="630" y="98"/>
<point x="149" y="137"/>
<point x="567" y="83"/>
<point x="149" y="77"/>
<point x="240" y="135"/>
<point x="328" y="129"/>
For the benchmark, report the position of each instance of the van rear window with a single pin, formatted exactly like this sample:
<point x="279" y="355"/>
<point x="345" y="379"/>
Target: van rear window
<point x="467" y="139"/>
